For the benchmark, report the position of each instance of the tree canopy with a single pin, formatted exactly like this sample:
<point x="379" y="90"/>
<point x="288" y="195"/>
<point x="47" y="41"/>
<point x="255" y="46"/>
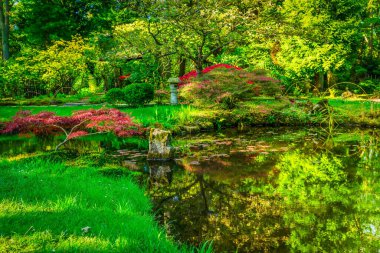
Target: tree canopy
<point x="305" y="44"/>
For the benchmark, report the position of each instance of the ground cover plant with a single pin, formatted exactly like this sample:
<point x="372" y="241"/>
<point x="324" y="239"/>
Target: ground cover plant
<point x="48" y="206"/>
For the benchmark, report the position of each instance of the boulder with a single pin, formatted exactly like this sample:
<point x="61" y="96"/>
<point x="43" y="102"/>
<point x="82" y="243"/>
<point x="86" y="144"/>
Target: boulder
<point x="347" y="94"/>
<point x="159" y="145"/>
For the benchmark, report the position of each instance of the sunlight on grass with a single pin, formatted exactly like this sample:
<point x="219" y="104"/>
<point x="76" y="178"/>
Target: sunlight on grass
<point x="45" y="205"/>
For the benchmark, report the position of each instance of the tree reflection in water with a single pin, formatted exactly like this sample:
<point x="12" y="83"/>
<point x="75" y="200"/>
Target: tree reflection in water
<point x="252" y="192"/>
<point x="327" y="201"/>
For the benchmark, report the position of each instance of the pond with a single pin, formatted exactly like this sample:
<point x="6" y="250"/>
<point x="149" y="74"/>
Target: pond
<point x="259" y="190"/>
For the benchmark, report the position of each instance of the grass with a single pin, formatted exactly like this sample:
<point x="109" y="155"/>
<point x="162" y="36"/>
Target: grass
<point x="45" y="205"/>
<point x="353" y="110"/>
<point x="352" y="105"/>
<point x="148" y="115"/>
<point x="7" y="112"/>
<point x="51" y="100"/>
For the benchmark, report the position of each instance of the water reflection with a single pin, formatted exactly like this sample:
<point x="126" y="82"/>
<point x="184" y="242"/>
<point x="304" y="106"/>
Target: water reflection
<point x="238" y="191"/>
<point x="265" y="190"/>
<point x="15" y="145"/>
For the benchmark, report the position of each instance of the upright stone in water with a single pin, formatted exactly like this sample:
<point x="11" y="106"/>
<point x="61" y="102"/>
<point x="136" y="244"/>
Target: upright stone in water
<point x="159" y="145"/>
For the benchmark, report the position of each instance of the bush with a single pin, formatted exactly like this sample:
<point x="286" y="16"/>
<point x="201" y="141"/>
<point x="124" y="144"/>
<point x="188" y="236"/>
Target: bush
<point x="368" y="86"/>
<point x="138" y="94"/>
<point x="115" y="95"/>
<point x="227" y="87"/>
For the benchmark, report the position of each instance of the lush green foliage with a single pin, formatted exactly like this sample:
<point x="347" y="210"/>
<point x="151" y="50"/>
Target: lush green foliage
<point x="42" y="210"/>
<point x="62" y="67"/>
<point x="315" y="189"/>
<point x="115" y="95"/>
<point x="309" y="45"/>
<point x="138" y="94"/>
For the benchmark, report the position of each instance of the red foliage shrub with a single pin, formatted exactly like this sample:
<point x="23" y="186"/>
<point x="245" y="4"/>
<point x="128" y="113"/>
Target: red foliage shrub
<point x="262" y="83"/>
<point x="192" y="74"/>
<point x="43" y="123"/>
<point x="222" y="87"/>
<point x="81" y="123"/>
<point x="226" y="87"/>
<point x="121" y="78"/>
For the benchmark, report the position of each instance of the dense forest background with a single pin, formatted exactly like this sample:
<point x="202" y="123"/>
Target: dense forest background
<point x="52" y="47"/>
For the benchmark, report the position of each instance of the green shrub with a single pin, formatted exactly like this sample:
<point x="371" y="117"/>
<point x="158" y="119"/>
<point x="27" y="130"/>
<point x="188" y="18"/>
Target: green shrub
<point x="115" y="95"/>
<point x="368" y="86"/>
<point x="138" y="94"/>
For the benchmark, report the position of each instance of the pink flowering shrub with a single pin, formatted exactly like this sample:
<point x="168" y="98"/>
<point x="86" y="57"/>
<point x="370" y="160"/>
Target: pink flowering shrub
<point x="81" y="123"/>
<point x="226" y="87"/>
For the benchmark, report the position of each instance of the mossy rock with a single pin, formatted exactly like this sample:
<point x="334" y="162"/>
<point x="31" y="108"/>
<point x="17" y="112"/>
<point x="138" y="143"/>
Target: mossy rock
<point x="160" y="145"/>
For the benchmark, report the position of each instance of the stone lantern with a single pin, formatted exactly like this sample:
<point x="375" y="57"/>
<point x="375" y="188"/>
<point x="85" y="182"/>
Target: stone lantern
<point x="173" y="82"/>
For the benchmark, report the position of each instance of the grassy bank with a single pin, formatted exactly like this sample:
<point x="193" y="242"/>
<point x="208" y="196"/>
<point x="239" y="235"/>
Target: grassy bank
<point x="46" y="207"/>
<point x="260" y="111"/>
<point x="146" y="115"/>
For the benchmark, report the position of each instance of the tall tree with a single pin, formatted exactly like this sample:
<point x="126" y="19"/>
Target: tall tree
<point x="4" y="25"/>
<point x="42" y="21"/>
<point x="320" y="38"/>
<point x="195" y="30"/>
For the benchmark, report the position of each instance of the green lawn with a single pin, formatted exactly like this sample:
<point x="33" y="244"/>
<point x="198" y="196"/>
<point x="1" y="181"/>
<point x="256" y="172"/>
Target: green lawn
<point x="354" y="110"/>
<point x="45" y="205"/>
<point x="146" y="115"/>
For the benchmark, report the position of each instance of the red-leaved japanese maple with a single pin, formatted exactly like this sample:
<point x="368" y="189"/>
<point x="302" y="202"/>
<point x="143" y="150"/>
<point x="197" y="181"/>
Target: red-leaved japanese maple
<point x="81" y="123"/>
<point x="193" y="74"/>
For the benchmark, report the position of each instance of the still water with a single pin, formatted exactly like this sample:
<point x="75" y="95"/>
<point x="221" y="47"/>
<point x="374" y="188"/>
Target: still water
<point x="261" y="190"/>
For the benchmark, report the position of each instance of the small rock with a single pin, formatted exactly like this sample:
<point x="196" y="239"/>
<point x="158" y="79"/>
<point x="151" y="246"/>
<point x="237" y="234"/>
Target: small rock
<point x="194" y="148"/>
<point x="86" y="230"/>
<point x="204" y="146"/>
<point x="178" y="161"/>
<point x="191" y="129"/>
<point x="194" y="163"/>
<point x="131" y="165"/>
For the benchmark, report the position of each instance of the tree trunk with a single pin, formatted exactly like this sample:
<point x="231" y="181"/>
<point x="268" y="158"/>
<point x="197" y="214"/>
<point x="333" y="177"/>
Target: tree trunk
<point x="199" y="67"/>
<point x="331" y="79"/>
<point x="4" y="25"/>
<point x="166" y="68"/>
<point x="319" y="81"/>
<point x="182" y="66"/>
